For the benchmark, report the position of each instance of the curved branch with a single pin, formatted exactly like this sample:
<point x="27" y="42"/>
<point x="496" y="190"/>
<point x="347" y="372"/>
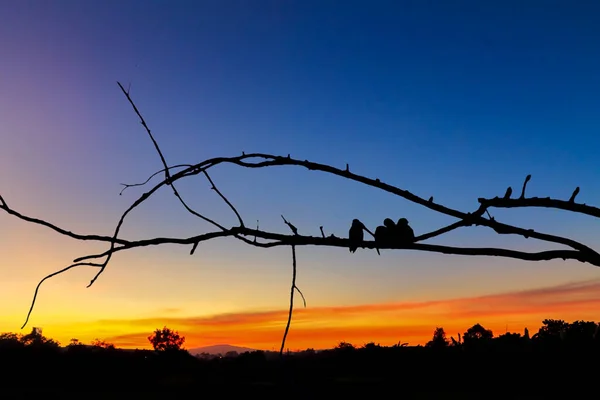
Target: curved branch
<point x="292" y="290"/>
<point x="278" y="239"/>
<point x="441" y="231"/>
<point x="37" y="288"/>
<point x="143" y="122"/>
<point x="475" y="218"/>
<point x="136" y="203"/>
<point x="271" y="160"/>
<point x="161" y="240"/>
<point x="55" y="228"/>
<point x="214" y="187"/>
<point x="128" y="185"/>
<point x="545" y="202"/>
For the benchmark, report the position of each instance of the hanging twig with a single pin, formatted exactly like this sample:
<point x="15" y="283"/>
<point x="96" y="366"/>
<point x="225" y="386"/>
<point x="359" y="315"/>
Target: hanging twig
<point x="293" y="286"/>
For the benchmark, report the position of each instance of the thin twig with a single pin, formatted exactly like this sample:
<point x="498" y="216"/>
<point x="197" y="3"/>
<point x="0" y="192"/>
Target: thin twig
<point x="293" y="288"/>
<point x="290" y="225"/>
<point x="98" y="238"/>
<point x="527" y="178"/>
<point x="162" y="158"/>
<point x="575" y="193"/>
<point x="168" y="179"/>
<point x="301" y="295"/>
<point x="542" y="202"/>
<point x="128" y="185"/>
<point x="214" y="187"/>
<point x="37" y="288"/>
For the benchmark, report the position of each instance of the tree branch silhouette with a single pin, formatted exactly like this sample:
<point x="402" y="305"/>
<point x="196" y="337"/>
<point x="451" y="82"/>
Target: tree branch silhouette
<point x="293" y="287"/>
<point x="265" y="239"/>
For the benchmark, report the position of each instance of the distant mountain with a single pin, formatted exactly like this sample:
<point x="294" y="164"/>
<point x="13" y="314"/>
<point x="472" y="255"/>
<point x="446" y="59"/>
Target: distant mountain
<point x="219" y="349"/>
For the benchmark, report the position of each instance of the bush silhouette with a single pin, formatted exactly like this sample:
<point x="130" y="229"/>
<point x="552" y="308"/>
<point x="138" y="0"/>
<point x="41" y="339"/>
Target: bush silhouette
<point x="166" y="339"/>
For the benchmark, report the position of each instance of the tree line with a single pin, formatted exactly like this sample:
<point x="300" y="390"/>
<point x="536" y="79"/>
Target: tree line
<point x="162" y="340"/>
<point x="513" y="362"/>
<point x="553" y="333"/>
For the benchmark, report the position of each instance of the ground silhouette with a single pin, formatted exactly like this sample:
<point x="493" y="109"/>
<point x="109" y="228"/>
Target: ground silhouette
<point x="559" y="357"/>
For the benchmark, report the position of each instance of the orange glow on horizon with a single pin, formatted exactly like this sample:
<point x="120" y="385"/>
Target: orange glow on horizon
<point x="386" y="324"/>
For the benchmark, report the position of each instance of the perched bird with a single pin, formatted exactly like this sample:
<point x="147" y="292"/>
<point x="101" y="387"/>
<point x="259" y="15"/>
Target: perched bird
<point x="356" y="234"/>
<point x="389" y="223"/>
<point x="380" y="235"/>
<point x="404" y="233"/>
<point x="384" y="234"/>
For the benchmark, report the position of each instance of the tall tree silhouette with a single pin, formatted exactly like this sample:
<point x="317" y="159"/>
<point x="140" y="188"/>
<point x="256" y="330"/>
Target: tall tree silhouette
<point x="477" y="335"/>
<point x="166" y="340"/>
<point x="439" y="339"/>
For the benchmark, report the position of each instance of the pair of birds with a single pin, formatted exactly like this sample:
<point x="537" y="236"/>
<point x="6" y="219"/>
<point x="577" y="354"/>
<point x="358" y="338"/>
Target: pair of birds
<point x="387" y="234"/>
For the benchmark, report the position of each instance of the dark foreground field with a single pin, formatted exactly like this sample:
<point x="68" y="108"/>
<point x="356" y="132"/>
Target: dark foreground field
<point x="408" y="373"/>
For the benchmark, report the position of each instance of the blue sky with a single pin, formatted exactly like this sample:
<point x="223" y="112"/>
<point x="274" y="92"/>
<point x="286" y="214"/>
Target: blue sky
<point x="455" y="100"/>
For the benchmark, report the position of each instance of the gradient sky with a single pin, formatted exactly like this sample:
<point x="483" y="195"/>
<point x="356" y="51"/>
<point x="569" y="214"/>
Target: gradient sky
<point x="455" y="100"/>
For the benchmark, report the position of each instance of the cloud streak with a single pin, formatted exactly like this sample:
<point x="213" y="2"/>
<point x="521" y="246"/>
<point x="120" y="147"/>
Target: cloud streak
<point x="388" y="323"/>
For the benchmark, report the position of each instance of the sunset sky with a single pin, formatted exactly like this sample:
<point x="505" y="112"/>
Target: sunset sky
<point x="456" y="100"/>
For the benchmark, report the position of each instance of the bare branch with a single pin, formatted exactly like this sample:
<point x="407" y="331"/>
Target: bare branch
<point x="287" y="326"/>
<point x="544" y="202"/>
<point x="527" y="178"/>
<point x="301" y="295"/>
<point x="126" y="185"/>
<point x="162" y="158"/>
<point x="441" y="231"/>
<point x="214" y="187"/>
<point x="4" y="206"/>
<point x="278" y="239"/>
<point x="37" y="288"/>
<point x="293" y="287"/>
<point x="168" y="179"/>
<point x="575" y="192"/>
<point x="118" y="228"/>
<point x="469" y="219"/>
<point x="194" y="240"/>
<point x="292" y="227"/>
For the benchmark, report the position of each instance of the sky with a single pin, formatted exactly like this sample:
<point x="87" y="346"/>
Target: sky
<point x="456" y="100"/>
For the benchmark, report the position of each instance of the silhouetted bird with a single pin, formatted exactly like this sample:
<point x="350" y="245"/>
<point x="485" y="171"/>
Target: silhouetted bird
<point x="389" y="223"/>
<point x="508" y="193"/>
<point x="384" y="234"/>
<point x="404" y="233"/>
<point x="380" y="235"/>
<point x="356" y="234"/>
